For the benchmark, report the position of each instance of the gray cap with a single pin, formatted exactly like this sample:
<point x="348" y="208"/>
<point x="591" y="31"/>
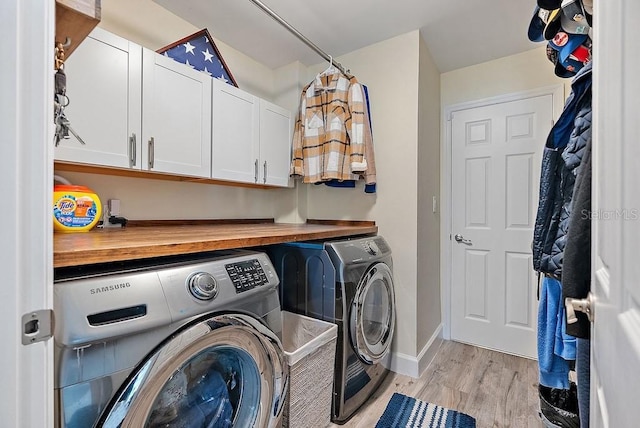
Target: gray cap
<point x="573" y="18"/>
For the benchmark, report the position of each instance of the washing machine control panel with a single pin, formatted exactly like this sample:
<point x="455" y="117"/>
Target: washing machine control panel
<point x="371" y="248"/>
<point x="246" y="275"/>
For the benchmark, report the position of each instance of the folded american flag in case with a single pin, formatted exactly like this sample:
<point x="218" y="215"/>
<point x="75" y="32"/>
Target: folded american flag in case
<point x="198" y="51"/>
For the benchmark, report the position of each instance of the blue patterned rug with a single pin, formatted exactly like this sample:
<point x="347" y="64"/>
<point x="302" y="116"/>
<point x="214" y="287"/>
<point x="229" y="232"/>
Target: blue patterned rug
<point x="407" y="412"/>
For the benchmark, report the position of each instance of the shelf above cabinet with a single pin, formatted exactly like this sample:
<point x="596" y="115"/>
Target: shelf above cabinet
<point x="75" y="19"/>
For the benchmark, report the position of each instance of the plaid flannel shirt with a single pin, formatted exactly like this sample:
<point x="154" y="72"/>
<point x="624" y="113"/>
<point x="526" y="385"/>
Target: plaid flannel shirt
<point x="329" y="136"/>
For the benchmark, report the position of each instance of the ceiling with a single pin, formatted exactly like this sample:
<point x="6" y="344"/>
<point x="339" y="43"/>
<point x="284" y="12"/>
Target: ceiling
<point x="458" y="33"/>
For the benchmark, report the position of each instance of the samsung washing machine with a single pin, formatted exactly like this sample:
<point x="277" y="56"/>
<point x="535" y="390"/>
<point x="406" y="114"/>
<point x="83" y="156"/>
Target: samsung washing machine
<point x="349" y="283"/>
<point x="171" y="342"/>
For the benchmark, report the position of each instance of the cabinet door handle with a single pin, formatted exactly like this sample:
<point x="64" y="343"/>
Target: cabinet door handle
<point x="132" y="150"/>
<point x="255" y="171"/>
<point x="265" y="172"/>
<point x="151" y="152"/>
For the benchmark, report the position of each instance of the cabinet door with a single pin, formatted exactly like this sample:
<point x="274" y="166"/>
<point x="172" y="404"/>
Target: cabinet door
<point x="275" y="144"/>
<point x="176" y="117"/>
<point x="236" y="116"/>
<point x="104" y="90"/>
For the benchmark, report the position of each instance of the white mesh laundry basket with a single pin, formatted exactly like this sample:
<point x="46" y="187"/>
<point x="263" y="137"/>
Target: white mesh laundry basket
<point x="310" y="349"/>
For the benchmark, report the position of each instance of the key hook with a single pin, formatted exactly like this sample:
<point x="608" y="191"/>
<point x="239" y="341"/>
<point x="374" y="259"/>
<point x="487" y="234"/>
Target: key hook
<point x="59" y="53"/>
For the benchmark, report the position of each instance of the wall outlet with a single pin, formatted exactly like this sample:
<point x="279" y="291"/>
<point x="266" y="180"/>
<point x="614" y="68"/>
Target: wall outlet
<point x="113" y="207"/>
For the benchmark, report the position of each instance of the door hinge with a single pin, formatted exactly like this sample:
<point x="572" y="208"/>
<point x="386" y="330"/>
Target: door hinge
<point x="37" y="326"/>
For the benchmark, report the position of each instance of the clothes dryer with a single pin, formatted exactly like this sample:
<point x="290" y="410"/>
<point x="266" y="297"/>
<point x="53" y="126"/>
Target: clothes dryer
<point x="179" y="341"/>
<point x="349" y="283"/>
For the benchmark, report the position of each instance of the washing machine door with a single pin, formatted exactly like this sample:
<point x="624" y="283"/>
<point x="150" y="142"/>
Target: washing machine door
<point x="373" y="314"/>
<point x="222" y="371"/>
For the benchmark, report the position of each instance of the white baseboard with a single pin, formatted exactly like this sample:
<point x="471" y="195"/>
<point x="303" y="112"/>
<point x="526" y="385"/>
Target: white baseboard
<point x="414" y="366"/>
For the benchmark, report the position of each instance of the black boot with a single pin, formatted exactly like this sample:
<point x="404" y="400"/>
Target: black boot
<point x="559" y="407"/>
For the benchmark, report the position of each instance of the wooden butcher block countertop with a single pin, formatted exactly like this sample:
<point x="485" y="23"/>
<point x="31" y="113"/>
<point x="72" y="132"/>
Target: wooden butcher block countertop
<point x="146" y="239"/>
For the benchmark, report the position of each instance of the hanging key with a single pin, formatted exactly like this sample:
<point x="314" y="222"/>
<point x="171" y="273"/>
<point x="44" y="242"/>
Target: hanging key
<point x="63" y="128"/>
<point x="60" y="99"/>
<point x="74" y="133"/>
<point x="57" y="120"/>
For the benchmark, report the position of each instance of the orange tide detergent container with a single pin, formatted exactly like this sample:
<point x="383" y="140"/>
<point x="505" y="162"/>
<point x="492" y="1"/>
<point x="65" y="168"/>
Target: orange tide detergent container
<point x="75" y="208"/>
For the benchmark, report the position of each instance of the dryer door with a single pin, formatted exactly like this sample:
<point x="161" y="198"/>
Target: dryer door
<point x="221" y="371"/>
<point x="373" y="314"/>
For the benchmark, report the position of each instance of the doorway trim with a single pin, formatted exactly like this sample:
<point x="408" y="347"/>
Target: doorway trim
<point x="26" y="173"/>
<point x="557" y="93"/>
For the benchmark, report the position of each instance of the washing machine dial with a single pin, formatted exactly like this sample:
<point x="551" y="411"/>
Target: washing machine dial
<point x="372" y="248"/>
<point x="202" y="286"/>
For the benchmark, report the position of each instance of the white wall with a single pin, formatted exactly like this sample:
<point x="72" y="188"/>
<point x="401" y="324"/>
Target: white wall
<point x="515" y="73"/>
<point x="146" y="199"/>
<point x="428" y="245"/>
<point x="390" y="71"/>
<point x="288" y="85"/>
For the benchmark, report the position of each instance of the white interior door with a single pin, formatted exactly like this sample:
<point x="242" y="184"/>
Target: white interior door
<point x="615" y="350"/>
<point x="496" y="154"/>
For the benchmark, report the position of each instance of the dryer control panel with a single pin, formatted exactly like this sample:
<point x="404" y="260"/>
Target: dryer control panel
<point x="246" y="275"/>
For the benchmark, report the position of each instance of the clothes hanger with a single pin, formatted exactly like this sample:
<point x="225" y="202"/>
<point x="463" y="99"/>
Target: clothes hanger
<point x="331" y="69"/>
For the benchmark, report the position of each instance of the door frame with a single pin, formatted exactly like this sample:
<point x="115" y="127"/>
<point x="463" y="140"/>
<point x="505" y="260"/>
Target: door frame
<point x="26" y="181"/>
<point x="557" y="93"/>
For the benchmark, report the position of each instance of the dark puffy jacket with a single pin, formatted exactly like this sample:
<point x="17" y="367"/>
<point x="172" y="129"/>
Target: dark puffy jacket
<point x="561" y="159"/>
<point x="576" y="276"/>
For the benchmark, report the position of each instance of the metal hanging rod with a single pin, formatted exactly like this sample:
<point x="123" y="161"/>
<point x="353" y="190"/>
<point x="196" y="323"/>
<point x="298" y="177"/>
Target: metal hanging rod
<point x="299" y="35"/>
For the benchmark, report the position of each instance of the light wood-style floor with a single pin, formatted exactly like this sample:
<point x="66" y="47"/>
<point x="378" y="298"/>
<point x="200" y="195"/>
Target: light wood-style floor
<point x="497" y="389"/>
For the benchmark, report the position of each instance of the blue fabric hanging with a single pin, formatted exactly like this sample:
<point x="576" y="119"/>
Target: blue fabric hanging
<point x="555" y="346"/>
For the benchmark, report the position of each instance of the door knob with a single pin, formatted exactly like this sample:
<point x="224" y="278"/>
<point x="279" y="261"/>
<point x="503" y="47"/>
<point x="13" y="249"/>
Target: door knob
<point x="580" y="305"/>
<point x="459" y="238"/>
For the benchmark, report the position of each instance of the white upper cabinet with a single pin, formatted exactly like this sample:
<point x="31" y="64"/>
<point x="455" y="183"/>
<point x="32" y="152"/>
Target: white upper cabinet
<point x="176" y="117"/>
<point x="251" y="138"/>
<point x="138" y="109"/>
<point x="275" y="144"/>
<point x="104" y="88"/>
<point x="236" y="140"/>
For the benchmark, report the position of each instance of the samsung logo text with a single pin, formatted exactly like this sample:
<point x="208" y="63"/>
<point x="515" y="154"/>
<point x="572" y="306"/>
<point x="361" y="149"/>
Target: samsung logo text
<point x="113" y="287"/>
